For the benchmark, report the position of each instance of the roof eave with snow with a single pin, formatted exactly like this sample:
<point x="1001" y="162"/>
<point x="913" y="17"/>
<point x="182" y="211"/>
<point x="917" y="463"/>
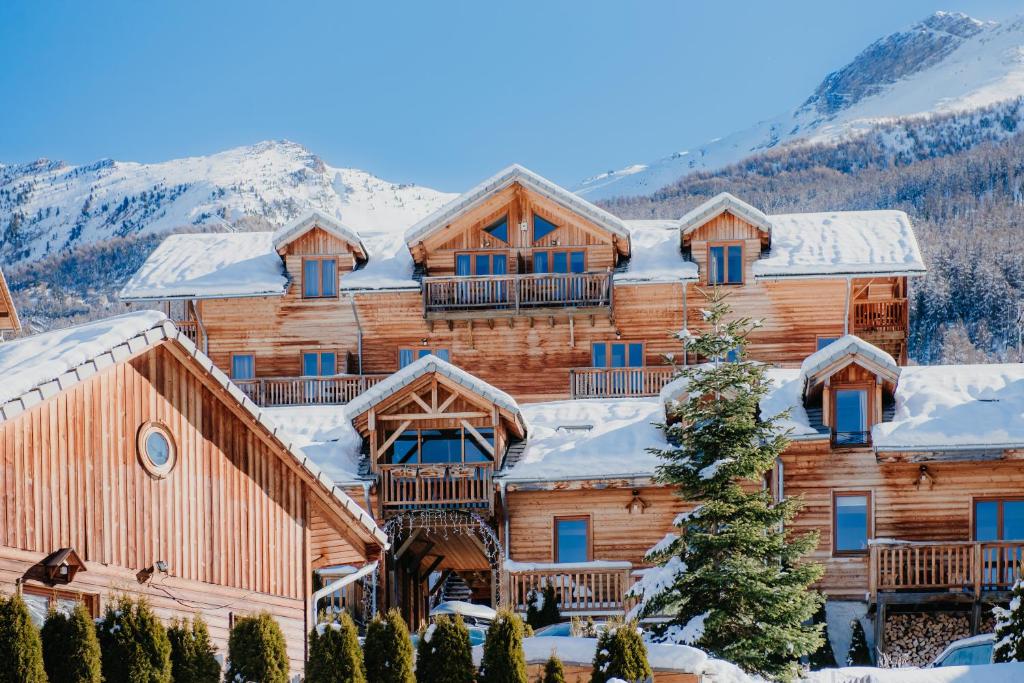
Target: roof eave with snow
<point x="317" y="219"/>
<point x="718" y="205"/>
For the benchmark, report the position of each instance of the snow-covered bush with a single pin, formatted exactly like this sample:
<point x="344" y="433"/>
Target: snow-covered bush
<point x="1009" y="646"/>
<point x="133" y="643"/>
<point x="71" y="650"/>
<point x="554" y="672"/>
<point x="444" y="653"/>
<point x="859" y="654"/>
<point x="387" y="650"/>
<point x="21" y="651"/>
<point x="620" y="654"/>
<point x="334" y="653"/>
<point x="256" y="650"/>
<point x="503" y="658"/>
<point x="193" y="655"/>
<point x="542" y="607"/>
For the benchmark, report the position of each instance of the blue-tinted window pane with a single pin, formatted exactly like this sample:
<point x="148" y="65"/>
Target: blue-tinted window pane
<point x="571" y="537"/>
<point x="329" y="273"/>
<point x="735" y="265"/>
<point x="618" y="355"/>
<point x="560" y="262"/>
<point x="716" y="265"/>
<point x="577" y="262"/>
<point x="311" y="278"/>
<point x="441" y="445"/>
<point x="636" y="355"/>
<point x="851" y="523"/>
<point x="825" y="341"/>
<point x="986" y="520"/>
<point x="542" y="228"/>
<point x="540" y="262"/>
<point x="970" y="655"/>
<point x="422" y="353"/>
<point x="310" y="364"/>
<point x="404" y="357"/>
<point x="500" y="262"/>
<point x="732" y="355"/>
<point x="599" y="355"/>
<point x="499" y="229"/>
<point x="474" y="451"/>
<point x="443" y="355"/>
<point x="404" y="448"/>
<point x="1013" y="520"/>
<point x="851" y="411"/>
<point x="243" y="367"/>
<point x="462" y="264"/>
<point x="328" y="363"/>
<point x="483" y="264"/>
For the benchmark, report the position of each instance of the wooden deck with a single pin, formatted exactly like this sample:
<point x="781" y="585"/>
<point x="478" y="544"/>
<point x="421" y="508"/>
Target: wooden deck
<point x="487" y="296"/>
<point x="586" y="588"/>
<point x="418" y="487"/>
<point x="297" y="391"/>
<point x="619" y="382"/>
<point x="880" y="316"/>
<point x="967" y="569"/>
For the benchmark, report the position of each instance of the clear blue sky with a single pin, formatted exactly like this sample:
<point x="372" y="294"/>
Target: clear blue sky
<point x="433" y="92"/>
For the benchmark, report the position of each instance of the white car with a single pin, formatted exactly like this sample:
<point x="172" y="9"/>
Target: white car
<point x="973" y="650"/>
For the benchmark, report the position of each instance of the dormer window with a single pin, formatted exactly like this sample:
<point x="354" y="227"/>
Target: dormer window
<point x="725" y="264"/>
<point x="499" y="229"/>
<point x="542" y="228"/>
<point x="319" y="278"/>
<point x="851" y="417"/>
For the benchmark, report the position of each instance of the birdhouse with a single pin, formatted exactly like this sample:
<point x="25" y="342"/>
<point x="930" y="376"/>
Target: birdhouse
<point x="61" y="566"/>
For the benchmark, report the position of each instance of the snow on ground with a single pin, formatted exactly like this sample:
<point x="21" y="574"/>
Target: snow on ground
<point x="28" y="362"/>
<point x="991" y="673"/>
<point x="324" y="433"/>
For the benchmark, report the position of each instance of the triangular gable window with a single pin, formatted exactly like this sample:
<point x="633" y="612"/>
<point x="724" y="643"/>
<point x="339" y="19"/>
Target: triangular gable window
<point x="499" y="229"/>
<point x="542" y="228"/>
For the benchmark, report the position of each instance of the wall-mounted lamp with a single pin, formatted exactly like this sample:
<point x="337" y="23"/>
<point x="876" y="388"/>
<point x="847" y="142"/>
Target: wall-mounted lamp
<point x="637" y="505"/>
<point x="146" y="574"/>
<point x="924" y="476"/>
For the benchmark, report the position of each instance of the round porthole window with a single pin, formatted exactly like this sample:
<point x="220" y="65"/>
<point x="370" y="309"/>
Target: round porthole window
<point x="156" y="448"/>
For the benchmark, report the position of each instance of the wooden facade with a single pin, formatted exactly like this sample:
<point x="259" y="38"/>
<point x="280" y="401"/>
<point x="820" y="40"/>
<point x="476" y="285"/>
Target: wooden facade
<point x="237" y="520"/>
<point x="9" y="322"/>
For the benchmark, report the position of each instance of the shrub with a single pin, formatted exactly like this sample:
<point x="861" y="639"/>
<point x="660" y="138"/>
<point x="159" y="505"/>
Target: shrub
<point x="823" y="657"/>
<point x="444" y="654"/>
<point x="621" y="653"/>
<point x="553" y="670"/>
<point x="21" y="650"/>
<point x="334" y="654"/>
<point x="256" y="650"/>
<point x="1010" y="628"/>
<point x="503" y="659"/>
<point x="71" y="650"/>
<point x="542" y="607"/>
<point x="859" y="655"/>
<point x="388" y="650"/>
<point x="193" y="656"/>
<point x="134" y="644"/>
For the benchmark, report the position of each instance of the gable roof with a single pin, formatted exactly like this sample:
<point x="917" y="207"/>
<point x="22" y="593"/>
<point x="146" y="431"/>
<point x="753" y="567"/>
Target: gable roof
<point x="718" y="205"/>
<point x="39" y="367"/>
<point x="424" y="366"/>
<point x="825" y="362"/>
<point x="528" y="179"/>
<point x="317" y="219"/>
<point x="7" y="304"/>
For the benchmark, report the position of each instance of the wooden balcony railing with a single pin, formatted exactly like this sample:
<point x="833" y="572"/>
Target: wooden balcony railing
<point x="191" y="329"/>
<point x="581" y="588"/>
<point x="514" y="294"/>
<point x="968" y="567"/>
<point x="297" y="391"/>
<point x="880" y="316"/>
<point x="619" y="382"/>
<point x="415" y="487"/>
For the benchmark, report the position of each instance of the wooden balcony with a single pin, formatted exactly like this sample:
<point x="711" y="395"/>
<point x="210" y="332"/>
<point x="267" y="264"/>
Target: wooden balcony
<point x="191" y="329"/>
<point x="619" y="382"/>
<point x="889" y="315"/>
<point x="488" y="296"/>
<point x="967" y="569"/>
<point x="585" y="588"/>
<point x="299" y="391"/>
<point x="418" y="487"/>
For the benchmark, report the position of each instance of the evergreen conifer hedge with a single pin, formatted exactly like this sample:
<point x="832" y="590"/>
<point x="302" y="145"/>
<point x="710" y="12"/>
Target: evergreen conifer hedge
<point x="388" y="650"/>
<point x="256" y="650"/>
<point x="503" y="659"/>
<point x="134" y="644"/>
<point x="621" y="653"/>
<point x="21" y="650"/>
<point x="193" y="655"/>
<point x="71" y="650"/>
<point x="444" y="654"/>
<point x="334" y="653"/>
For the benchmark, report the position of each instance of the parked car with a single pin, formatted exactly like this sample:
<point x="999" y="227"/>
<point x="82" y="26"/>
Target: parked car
<point x="480" y="615"/>
<point x="564" y="629"/>
<point x="973" y="650"/>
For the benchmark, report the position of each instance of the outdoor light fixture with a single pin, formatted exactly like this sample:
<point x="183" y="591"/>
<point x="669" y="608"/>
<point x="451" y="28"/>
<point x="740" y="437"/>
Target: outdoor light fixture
<point x="146" y="574"/>
<point x="924" y="475"/>
<point x="638" y="504"/>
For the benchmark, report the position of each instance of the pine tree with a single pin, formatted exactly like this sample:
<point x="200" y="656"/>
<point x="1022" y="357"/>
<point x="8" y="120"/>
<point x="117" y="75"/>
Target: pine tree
<point x="193" y="656"/>
<point x="71" y="650"/>
<point x="256" y="650"/>
<point x="542" y="607"/>
<point x="1010" y="628"/>
<point x="859" y="655"/>
<point x="823" y="657"/>
<point x="621" y="654"/>
<point x="334" y="653"/>
<point x="503" y="658"/>
<point x="444" y="654"/>
<point x="134" y="644"/>
<point x="388" y="650"/>
<point x="553" y="670"/>
<point x="21" y="650"/>
<point x="735" y="583"/>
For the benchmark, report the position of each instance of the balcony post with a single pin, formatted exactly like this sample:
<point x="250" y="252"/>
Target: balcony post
<point x="977" y="560"/>
<point x="873" y="575"/>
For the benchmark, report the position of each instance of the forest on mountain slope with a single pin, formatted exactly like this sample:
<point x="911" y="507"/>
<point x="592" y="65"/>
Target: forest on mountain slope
<point x="961" y="180"/>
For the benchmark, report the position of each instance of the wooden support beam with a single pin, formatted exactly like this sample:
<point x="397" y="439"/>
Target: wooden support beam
<point x="431" y="416"/>
<point x="407" y="542"/>
<point x="480" y="440"/>
<point x="431" y="567"/>
<point x="391" y="439"/>
<point x="415" y="558"/>
<point x="422" y="404"/>
<point x="440" y="582"/>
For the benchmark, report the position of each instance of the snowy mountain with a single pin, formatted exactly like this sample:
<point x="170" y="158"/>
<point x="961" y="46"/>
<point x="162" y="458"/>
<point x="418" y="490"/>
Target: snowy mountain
<point x="47" y="206"/>
<point x="945" y="64"/>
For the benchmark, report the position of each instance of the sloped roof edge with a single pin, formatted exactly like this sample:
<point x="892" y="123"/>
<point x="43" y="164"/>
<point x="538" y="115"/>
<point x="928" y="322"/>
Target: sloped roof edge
<point x="717" y="205"/>
<point x="315" y="218"/>
<point x="852" y="347"/>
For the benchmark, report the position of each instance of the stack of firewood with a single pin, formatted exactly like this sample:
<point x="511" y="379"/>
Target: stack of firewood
<point x="917" y="638"/>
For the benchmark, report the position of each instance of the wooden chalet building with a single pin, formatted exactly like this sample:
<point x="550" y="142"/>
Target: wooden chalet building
<point x="130" y="464"/>
<point x="9" y="323"/>
<point x="486" y="383"/>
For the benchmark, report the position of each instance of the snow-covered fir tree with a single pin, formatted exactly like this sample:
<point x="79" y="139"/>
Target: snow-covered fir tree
<point x="1009" y="645"/>
<point x="732" y="580"/>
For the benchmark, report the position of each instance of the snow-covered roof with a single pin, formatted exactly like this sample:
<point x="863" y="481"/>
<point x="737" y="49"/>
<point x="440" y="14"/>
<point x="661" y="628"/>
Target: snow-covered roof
<point x="426" y="365"/>
<point x="389" y="266"/>
<point x="841" y="243"/>
<point x="504" y="178"/>
<point x="325" y="435"/>
<point x="39" y="367"/>
<point x="719" y="204"/>
<point x="318" y="219"/>
<point x="655" y="255"/>
<point x="847" y="347"/>
<point x="589" y="439"/>
<point x="209" y="265"/>
<point x="955" y="407"/>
